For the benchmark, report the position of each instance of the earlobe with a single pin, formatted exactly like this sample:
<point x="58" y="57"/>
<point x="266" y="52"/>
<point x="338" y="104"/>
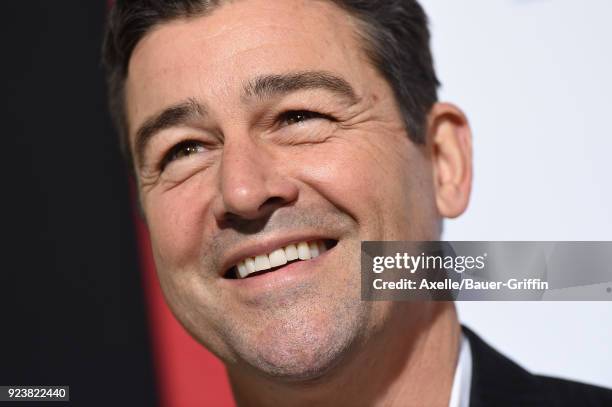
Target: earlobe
<point x="450" y="139"/>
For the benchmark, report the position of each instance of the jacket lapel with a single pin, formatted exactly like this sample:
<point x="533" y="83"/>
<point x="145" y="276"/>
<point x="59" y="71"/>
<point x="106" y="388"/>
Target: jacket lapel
<point x="498" y="381"/>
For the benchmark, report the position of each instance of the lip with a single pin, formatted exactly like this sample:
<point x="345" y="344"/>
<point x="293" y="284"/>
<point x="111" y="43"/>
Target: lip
<point x="266" y="245"/>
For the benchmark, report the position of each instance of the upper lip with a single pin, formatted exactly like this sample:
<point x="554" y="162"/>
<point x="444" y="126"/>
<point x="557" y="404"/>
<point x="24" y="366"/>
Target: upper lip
<point x="264" y="245"/>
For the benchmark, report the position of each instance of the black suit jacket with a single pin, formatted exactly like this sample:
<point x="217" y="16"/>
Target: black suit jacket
<point x="497" y="381"/>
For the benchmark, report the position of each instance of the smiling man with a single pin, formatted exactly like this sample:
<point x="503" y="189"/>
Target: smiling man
<point x="268" y="140"/>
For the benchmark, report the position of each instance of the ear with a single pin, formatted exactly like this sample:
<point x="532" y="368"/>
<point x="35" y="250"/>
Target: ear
<point x="450" y="138"/>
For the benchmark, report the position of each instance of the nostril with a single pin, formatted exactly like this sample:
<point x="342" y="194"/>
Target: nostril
<point x="272" y="203"/>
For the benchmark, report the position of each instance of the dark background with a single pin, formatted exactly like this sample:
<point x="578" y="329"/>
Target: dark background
<point x="72" y="310"/>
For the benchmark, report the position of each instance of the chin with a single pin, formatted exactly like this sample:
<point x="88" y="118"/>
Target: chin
<point x="303" y="347"/>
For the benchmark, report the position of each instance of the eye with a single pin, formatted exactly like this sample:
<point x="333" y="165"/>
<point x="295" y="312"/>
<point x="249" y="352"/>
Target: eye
<point x="299" y="116"/>
<point x="182" y="150"/>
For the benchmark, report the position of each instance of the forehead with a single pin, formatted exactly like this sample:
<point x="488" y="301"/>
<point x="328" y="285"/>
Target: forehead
<point x="212" y="56"/>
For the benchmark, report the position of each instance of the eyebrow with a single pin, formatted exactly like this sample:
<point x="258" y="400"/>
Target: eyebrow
<point x="269" y="86"/>
<point x="171" y="116"/>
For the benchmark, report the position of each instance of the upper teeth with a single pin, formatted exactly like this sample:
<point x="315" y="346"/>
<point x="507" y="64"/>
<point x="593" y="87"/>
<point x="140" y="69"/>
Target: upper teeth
<point x="280" y="257"/>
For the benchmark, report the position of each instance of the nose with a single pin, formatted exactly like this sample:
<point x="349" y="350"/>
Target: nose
<point x="252" y="184"/>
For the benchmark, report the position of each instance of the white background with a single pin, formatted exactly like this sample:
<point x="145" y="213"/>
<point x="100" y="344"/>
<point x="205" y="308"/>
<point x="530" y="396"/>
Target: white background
<point x="533" y="76"/>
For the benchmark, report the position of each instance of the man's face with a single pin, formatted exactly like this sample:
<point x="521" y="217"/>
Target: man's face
<point x="280" y="131"/>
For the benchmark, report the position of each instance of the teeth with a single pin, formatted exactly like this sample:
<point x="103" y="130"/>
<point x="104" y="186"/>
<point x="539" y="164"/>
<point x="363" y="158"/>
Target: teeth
<point x="250" y="265"/>
<point x="303" y="251"/>
<point x="291" y="252"/>
<point x="314" y="249"/>
<point x="280" y="257"/>
<point x="262" y="263"/>
<point x="242" y="270"/>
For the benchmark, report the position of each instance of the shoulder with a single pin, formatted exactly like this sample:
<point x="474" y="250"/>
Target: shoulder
<point x="569" y="393"/>
<point x="498" y="381"/>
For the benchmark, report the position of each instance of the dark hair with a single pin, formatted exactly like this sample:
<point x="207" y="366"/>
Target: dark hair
<point x="395" y="33"/>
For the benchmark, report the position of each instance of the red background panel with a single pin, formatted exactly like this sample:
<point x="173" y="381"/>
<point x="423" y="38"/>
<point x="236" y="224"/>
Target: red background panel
<point x="187" y="374"/>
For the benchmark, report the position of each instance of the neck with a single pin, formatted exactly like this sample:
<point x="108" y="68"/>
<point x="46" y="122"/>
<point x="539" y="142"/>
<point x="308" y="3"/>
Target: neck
<point x="411" y="361"/>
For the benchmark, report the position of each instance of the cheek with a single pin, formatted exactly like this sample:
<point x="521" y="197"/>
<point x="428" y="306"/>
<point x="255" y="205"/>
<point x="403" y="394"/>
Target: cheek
<point x="351" y="176"/>
<point x="385" y="190"/>
<point x="175" y="225"/>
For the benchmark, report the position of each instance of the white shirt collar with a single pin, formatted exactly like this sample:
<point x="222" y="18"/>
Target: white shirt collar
<point x="460" y="392"/>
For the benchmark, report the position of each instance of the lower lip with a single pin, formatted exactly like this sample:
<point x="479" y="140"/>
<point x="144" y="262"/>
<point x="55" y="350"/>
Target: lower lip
<point x="288" y="275"/>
